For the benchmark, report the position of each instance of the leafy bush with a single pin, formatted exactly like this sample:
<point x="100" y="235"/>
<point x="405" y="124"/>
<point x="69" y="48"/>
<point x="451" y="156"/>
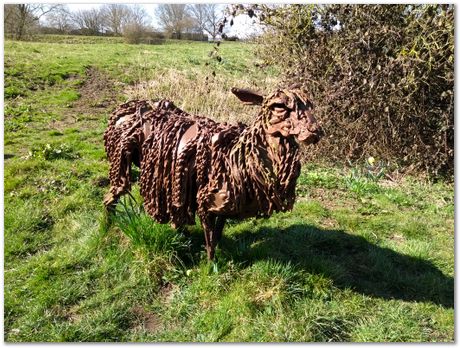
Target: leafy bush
<point x="381" y="77"/>
<point x="133" y="33"/>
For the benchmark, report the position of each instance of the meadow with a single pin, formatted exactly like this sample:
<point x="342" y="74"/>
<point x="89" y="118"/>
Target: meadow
<point x="362" y="257"/>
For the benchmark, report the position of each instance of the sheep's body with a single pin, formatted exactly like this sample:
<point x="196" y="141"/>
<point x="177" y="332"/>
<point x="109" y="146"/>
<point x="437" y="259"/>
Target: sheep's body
<point x="191" y="164"/>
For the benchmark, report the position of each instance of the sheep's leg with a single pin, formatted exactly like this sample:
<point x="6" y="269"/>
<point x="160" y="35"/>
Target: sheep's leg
<point x="213" y="227"/>
<point x="220" y="223"/>
<point x="208" y="223"/>
<point x="210" y="244"/>
<point x="121" y="187"/>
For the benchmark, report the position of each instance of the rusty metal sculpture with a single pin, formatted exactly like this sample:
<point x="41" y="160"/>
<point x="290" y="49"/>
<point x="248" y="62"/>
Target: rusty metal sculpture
<point x="190" y="164"/>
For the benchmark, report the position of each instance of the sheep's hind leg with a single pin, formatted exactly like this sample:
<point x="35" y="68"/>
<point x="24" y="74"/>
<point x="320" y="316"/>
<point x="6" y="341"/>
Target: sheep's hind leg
<point x="119" y="188"/>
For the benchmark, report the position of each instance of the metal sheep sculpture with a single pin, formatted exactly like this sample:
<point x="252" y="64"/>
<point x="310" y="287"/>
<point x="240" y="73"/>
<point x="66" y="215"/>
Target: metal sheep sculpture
<point x="191" y="164"/>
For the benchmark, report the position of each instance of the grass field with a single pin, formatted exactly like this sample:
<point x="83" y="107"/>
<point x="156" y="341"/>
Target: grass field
<point x="358" y="259"/>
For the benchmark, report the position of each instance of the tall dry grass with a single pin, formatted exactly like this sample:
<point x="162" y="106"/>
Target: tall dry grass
<point x="199" y="93"/>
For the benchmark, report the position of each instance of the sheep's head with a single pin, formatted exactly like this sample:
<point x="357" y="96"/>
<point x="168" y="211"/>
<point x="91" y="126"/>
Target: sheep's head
<point x="287" y="112"/>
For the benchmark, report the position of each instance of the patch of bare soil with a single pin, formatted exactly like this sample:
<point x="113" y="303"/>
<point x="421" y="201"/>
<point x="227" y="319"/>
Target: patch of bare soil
<point x="398" y="238"/>
<point x="151" y="322"/>
<point x="98" y="97"/>
<point x="329" y="223"/>
<point x="144" y="320"/>
<point x="331" y="199"/>
<point x="70" y="314"/>
<point x="96" y="92"/>
<point x="167" y="292"/>
<point x="101" y="182"/>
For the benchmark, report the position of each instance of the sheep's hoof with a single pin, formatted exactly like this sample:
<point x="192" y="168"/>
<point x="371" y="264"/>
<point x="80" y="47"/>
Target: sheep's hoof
<point x="108" y="199"/>
<point x="109" y="202"/>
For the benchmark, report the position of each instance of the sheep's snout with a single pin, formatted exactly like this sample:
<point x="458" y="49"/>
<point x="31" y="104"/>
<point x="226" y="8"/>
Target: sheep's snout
<point x="312" y="132"/>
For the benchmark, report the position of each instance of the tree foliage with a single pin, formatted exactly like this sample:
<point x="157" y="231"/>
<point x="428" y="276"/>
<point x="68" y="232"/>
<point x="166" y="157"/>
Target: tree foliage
<point x="382" y="77"/>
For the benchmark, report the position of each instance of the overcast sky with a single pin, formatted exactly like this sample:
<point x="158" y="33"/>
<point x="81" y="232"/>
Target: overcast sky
<point x="243" y="25"/>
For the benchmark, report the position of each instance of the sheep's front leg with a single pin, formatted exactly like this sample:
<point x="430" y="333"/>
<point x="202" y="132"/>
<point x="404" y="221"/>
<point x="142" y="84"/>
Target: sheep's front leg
<point x="220" y="223"/>
<point x="213" y="227"/>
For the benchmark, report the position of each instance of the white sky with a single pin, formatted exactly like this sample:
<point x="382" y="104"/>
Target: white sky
<point x="243" y="25"/>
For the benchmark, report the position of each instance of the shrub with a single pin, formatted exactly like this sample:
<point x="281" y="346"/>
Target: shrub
<point x="382" y="77"/>
<point x="153" y="38"/>
<point x="133" y="33"/>
<point x="230" y="38"/>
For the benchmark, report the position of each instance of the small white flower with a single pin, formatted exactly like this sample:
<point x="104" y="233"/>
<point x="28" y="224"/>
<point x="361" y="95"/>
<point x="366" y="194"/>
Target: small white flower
<point x="371" y="160"/>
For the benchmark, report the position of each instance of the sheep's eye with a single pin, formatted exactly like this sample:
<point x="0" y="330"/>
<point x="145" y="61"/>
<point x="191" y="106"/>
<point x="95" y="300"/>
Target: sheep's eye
<point x="279" y="106"/>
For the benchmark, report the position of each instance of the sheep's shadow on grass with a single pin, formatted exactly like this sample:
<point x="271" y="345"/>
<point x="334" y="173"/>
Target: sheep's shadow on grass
<point x="350" y="261"/>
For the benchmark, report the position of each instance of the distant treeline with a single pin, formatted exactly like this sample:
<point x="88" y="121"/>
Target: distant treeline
<point x="199" y="22"/>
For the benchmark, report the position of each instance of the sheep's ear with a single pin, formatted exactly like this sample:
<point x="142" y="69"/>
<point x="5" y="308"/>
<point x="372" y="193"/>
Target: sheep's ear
<point x="248" y="97"/>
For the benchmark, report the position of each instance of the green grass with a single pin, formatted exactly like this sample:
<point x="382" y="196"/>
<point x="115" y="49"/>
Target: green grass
<point x="360" y="258"/>
<point x="77" y="39"/>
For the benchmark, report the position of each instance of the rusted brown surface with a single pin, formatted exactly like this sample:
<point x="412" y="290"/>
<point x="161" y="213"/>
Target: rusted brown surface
<point x="193" y="165"/>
